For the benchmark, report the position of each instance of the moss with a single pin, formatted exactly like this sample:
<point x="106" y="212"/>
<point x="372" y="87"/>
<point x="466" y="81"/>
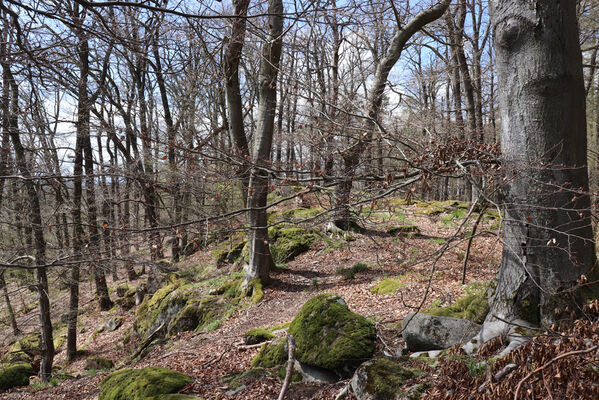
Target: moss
<point x="386" y="377"/>
<point x="473" y="307"/>
<point x="229" y="250"/>
<point x="271" y="354"/>
<point x="98" y="363"/>
<point x="15" y="375"/>
<point x="388" y="285"/>
<point x="296" y="376"/>
<point x="350" y="273"/>
<point x="243" y="378"/>
<point x="300" y="214"/>
<point x="257" y="335"/>
<point x="288" y="241"/>
<point x="329" y="335"/>
<point x="59" y="340"/>
<point x="25" y="349"/>
<point x="147" y="311"/>
<point x="130" y="384"/>
<point x="122" y="290"/>
<point x="253" y="289"/>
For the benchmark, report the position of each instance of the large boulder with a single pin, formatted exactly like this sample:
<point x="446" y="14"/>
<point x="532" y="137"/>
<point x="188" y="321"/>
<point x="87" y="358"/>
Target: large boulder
<point x="383" y="379"/>
<point x="15" y="375"/>
<point x="179" y="307"/>
<point x="27" y="349"/>
<point x="423" y="332"/>
<point x="329" y="335"/>
<point x="138" y="384"/>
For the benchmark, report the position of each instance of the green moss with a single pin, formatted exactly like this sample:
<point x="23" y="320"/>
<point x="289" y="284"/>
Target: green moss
<point x="296" y="376"/>
<point x="243" y="378"/>
<point x="254" y="290"/>
<point x="122" y="290"/>
<point x="15" y="375"/>
<point x="386" y="377"/>
<point x="257" y="335"/>
<point x="25" y="349"/>
<point x="300" y="214"/>
<point x="229" y="250"/>
<point x="147" y="311"/>
<point x="130" y="384"/>
<point x="288" y="241"/>
<point x="350" y="273"/>
<point x="388" y="285"/>
<point x="329" y="335"/>
<point x="271" y="354"/>
<point x="473" y="307"/>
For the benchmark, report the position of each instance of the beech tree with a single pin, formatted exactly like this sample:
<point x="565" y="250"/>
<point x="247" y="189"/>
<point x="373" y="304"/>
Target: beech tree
<point x="548" y="266"/>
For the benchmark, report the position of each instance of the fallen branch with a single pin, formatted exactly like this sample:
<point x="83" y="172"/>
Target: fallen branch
<point x="548" y="363"/>
<point x="149" y="340"/>
<point x="290" y="362"/>
<point x="342" y="393"/>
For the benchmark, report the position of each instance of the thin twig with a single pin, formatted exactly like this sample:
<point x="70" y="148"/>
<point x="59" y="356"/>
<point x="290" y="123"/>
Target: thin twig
<point x="290" y="362"/>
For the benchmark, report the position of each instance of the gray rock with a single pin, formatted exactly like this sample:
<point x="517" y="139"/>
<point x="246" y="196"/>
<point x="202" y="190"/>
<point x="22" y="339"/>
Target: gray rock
<point x="314" y="374"/>
<point x="423" y="332"/>
<point x="113" y="324"/>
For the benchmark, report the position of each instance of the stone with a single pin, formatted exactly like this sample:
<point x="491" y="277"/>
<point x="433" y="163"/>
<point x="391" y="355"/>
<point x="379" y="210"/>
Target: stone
<point x="98" y="363"/>
<point x="423" y="332"/>
<point x="383" y="379"/>
<point x="15" y="375"/>
<point x="113" y="324"/>
<point x="328" y="335"/>
<point x="314" y="374"/>
<point x="139" y="384"/>
<point x="26" y="349"/>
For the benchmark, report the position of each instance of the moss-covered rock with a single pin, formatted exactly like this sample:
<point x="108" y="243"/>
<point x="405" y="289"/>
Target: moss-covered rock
<point x="122" y="289"/>
<point x="403" y="230"/>
<point x="229" y="250"/>
<point x="329" y="335"/>
<point x="387" y="286"/>
<point x="288" y="241"/>
<point x="350" y="273"/>
<point x="138" y="384"/>
<point x="257" y="335"/>
<point x="26" y="349"/>
<point x="473" y="307"/>
<point x="15" y="375"/>
<point x="98" y="363"/>
<point x="271" y="354"/>
<point x="382" y="379"/>
<point x="245" y="377"/>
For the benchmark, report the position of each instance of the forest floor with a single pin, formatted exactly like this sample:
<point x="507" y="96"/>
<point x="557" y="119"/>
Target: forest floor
<point x="429" y="266"/>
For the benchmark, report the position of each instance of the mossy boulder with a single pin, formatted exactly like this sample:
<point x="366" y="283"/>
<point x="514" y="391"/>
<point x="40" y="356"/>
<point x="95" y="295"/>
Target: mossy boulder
<point x="16" y="374"/>
<point x="228" y="251"/>
<point x="383" y="379"/>
<point x="98" y="363"/>
<point x="387" y="286"/>
<point x="271" y="354"/>
<point x="289" y="241"/>
<point x="239" y="379"/>
<point x="138" y="384"/>
<point x="329" y="335"/>
<point x="122" y="289"/>
<point x="26" y="349"/>
<point x="473" y="307"/>
<point x="257" y="335"/>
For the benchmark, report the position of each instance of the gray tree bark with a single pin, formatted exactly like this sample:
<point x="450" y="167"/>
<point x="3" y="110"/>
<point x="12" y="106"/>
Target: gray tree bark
<point x="548" y="234"/>
<point x="260" y="257"/>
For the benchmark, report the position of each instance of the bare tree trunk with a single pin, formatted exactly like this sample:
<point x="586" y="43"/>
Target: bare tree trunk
<point x="548" y="238"/>
<point x="260" y="257"/>
<point x="351" y="156"/>
<point x="35" y="215"/>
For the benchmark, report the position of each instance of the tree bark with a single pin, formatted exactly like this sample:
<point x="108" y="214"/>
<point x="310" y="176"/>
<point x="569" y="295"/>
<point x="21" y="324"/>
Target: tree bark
<point x="548" y="236"/>
<point x="260" y="257"/>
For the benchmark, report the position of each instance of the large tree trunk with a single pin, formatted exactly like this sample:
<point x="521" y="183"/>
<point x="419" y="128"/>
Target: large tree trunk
<point x="260" y="257"/>
<point x="548" y="236"/>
